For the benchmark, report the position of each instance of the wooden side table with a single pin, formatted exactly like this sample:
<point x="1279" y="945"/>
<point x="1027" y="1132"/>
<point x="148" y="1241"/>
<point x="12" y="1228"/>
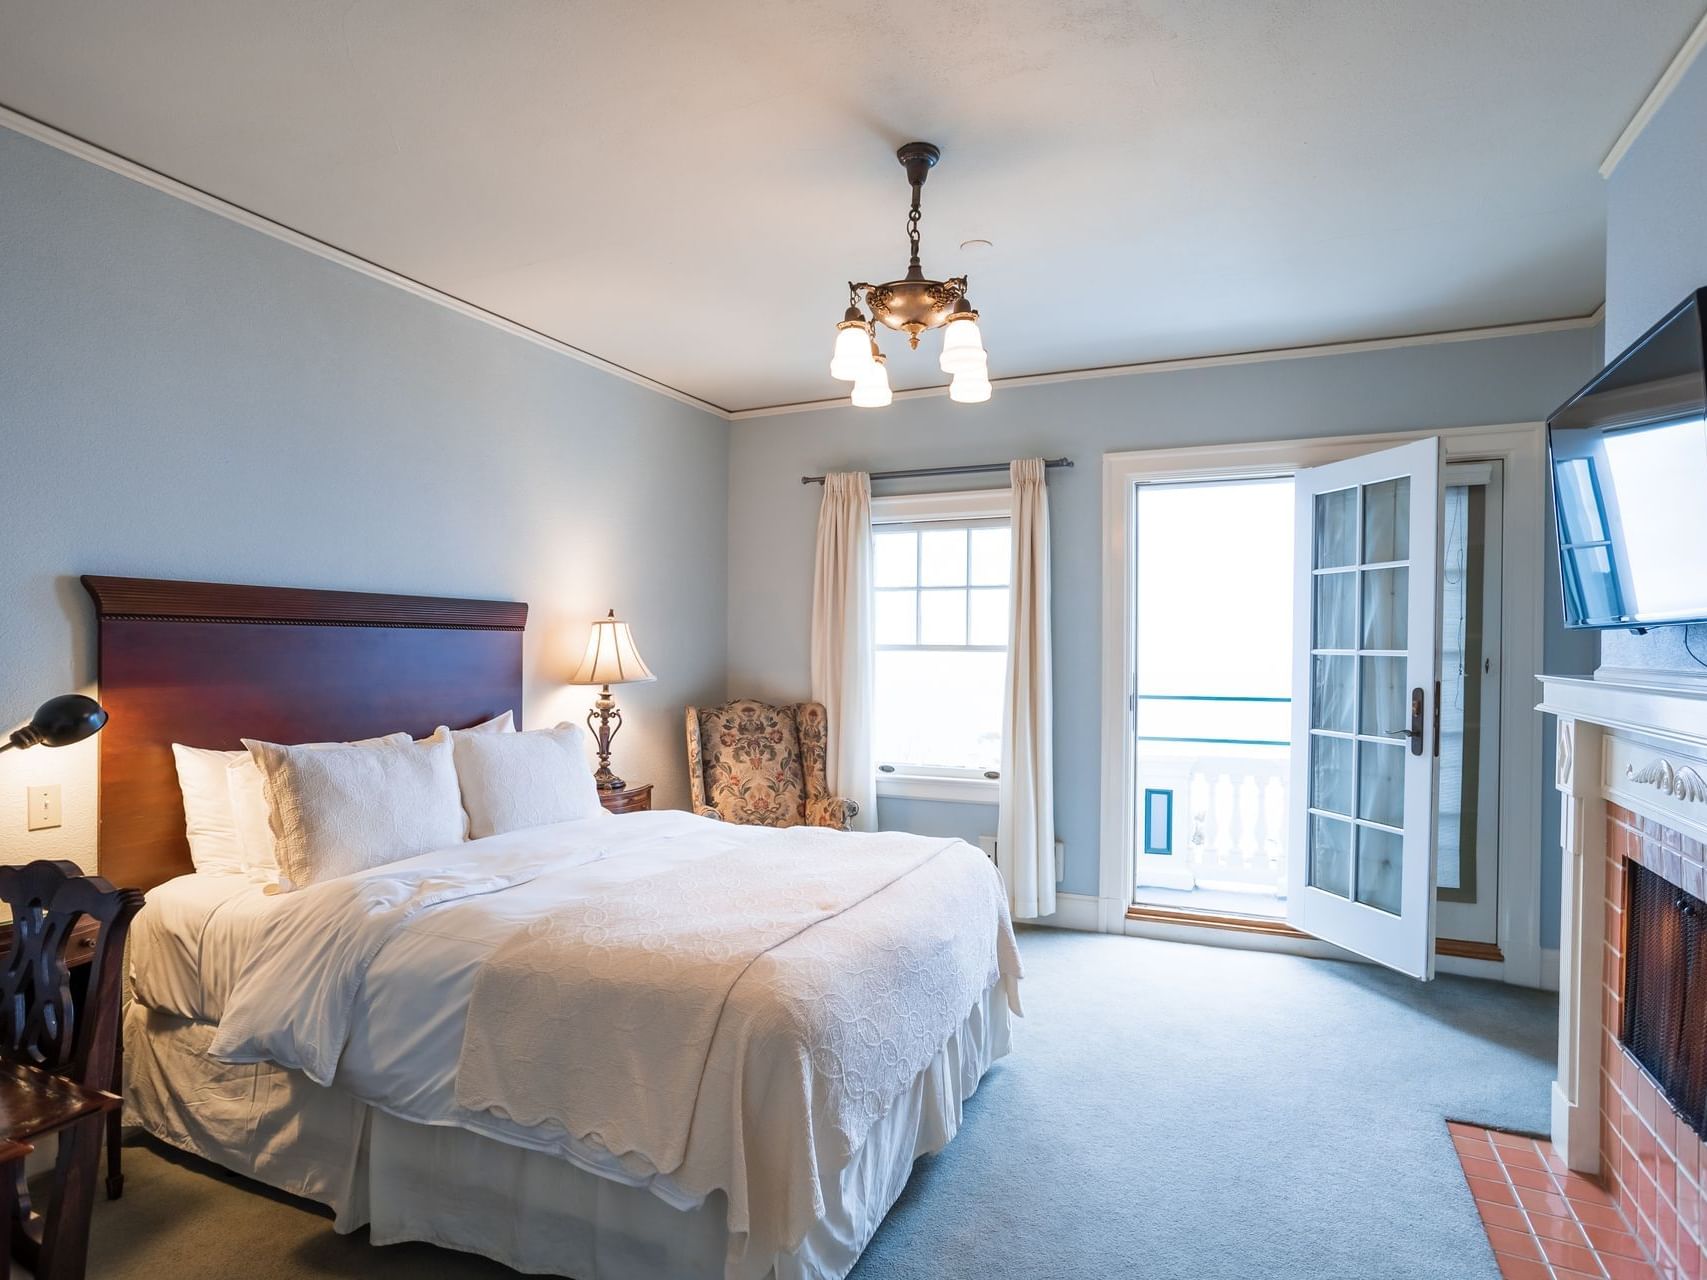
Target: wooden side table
<point x="636" y="799"/>
<point x="79" y="950"/>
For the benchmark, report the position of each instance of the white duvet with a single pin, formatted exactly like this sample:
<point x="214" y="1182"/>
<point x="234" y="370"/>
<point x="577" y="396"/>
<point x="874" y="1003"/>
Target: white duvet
<point x="368" y="980"/>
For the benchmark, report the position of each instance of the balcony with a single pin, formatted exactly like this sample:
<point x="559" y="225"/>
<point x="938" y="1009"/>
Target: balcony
<point x="1214" y="772"/>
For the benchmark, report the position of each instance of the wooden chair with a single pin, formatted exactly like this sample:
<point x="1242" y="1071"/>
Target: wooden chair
<point x="57" y="1055"/>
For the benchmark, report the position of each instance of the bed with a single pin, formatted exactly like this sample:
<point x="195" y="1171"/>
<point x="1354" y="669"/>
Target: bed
<point x="452" y="1048"/>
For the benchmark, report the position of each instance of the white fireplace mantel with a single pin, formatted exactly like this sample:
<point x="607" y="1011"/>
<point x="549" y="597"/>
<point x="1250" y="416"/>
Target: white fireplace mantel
<point x="1642" y="746"/>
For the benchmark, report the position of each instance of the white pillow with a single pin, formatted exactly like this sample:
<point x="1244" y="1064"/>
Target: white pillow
<point x="504" y="723"/>
<point x="209" y="822"/>
<point x="246" y="786"/>
<point x="515" y="780"/>
<point x="338" y="810"/>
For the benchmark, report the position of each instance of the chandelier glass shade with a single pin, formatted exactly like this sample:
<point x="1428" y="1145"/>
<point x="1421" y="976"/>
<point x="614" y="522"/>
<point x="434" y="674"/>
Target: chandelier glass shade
<point x="912" y="305"/>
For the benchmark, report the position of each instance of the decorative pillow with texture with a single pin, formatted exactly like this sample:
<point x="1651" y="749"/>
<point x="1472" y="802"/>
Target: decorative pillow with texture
<point x="515" y="780"/>
<point x="209" y="822"/>
<point x="247" y="789"/>
<point x="338" y="810"/>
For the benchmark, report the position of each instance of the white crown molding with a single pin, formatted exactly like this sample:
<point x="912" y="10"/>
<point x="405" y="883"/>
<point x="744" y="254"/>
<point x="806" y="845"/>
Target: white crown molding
<point x="1668" y="81"/>
<point x="41" y="132"/>
<point x="1210" y="362"/>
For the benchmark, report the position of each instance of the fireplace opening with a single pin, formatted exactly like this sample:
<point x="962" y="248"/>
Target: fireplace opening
<point x="1665" y="989"/>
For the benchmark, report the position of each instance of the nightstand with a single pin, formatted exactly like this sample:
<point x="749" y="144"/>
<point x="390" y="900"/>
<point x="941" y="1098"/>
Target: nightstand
<point x="637" y="799"/>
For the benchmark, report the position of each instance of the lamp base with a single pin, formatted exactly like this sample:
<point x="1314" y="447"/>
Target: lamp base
<point x="605" y="780"/>
<point x="604" y="720"/>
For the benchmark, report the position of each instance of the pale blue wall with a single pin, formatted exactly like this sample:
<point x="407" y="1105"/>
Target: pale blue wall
<point x="183" y="397"/>
<point x="772" y="515"/>
<point x="1656" y="252"/>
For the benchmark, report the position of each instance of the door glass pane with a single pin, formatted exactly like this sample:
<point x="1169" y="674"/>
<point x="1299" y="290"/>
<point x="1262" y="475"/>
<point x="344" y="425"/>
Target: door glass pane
<point x="942" y="558"/>
<point x="942" y="616"/>
<point x="1331" y="693"/>
<point x="1336" y="611"/>
<point x="895" y="618"/>
<point x="1386" y="598"/>
<point x="1579" y="503"/>
<point x="1381" y="783"/>
<point x="895" y="558"/>
<point x="1330" y="856"/>
<point x="1383" y="709"/>
<point x="1387" y="521"/>
<point x="1589" y="577"/>
<point x="990" y="557"/>
<point x="989" y="617"/>
<point x="1336" y="528"/>
<point x="1380" y="861"/>
<point x="1330" y="773"/>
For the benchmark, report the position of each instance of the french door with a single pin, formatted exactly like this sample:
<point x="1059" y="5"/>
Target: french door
<point x="1365" y="702"/>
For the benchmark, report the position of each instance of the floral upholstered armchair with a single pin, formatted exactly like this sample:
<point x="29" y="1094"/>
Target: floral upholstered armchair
<point x="760" y="765"/>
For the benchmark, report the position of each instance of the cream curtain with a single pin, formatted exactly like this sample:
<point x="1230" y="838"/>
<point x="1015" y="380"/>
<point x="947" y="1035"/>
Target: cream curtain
<point x="842" y="654"/>
<point x="1025" y="823"/>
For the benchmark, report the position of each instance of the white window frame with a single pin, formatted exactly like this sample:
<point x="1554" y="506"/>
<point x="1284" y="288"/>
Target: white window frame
<point x="1522" y="448"/>
<point x="918" y="782"/>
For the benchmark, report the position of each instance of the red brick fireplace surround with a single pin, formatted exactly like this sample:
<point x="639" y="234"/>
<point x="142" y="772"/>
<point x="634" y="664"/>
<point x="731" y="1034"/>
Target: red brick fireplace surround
<point x="1632" y="782"/>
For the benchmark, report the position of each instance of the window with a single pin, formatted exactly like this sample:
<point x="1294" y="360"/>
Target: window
<point x="940" y="574"/>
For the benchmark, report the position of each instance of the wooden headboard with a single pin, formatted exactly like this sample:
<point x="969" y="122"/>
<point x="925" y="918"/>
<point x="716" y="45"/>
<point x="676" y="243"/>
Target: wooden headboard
<point x="207" y="664"/>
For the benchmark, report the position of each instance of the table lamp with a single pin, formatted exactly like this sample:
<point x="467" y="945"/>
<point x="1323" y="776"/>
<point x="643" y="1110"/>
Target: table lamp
<point x="611" y="658"/>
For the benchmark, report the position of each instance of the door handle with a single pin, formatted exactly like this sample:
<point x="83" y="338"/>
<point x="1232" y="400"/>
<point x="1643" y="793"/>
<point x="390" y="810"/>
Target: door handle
<point x="1415" y="732"/>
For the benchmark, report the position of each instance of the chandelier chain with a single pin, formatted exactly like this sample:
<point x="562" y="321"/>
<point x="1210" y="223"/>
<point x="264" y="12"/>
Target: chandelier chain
<point x="913" y="223"/>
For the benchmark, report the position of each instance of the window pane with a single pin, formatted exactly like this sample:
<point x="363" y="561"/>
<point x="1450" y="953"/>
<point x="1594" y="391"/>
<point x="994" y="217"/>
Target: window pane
<point x="1330" y="856"/>
<point x="1330" y="774"/>
<point x="896" y="621"/>
<point x="895" y="558"/>
<point x="1336" y="606"/>
<point x="1387" y="520"/>
<point x="991" y="551"/>
<point x="942" y="616"/>
<point x="1383" y="712"/>
<point x="940" y="709"/>
<point x="989" y="617"/>
<point x="942" y="558"/>
<point x="1386" y="607"/>
<point x="1380" y="860"/>
<point x="1336" y="528"/>
<point x="1381" y="783"/>
<point x="1331" y="693"/>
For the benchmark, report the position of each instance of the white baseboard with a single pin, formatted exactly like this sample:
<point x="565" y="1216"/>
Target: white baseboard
<point x="1072" y="911"/>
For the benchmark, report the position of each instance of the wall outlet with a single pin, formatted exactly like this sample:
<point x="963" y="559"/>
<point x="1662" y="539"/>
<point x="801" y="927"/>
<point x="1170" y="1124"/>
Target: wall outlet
<point x="43" y="805"/>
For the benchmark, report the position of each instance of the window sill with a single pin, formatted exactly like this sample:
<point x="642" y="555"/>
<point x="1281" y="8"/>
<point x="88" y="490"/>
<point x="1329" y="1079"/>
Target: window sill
<point x="951" y="790"/>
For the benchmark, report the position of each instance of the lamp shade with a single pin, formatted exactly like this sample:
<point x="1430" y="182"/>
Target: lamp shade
<point x="61" y="721"/>
<point x="611" y="657"/>
<point x="963" y="345"/>
<point x="969" y="387"/>
<point x="853" y="351"/>
<point x="871" y="387"/>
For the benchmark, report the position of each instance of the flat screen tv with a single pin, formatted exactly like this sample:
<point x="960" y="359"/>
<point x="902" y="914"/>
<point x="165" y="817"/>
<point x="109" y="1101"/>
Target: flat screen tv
<point x="1629" y="459"/>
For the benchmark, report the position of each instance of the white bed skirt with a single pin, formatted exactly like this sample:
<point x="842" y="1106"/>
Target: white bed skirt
<point x="532" y="1211"/>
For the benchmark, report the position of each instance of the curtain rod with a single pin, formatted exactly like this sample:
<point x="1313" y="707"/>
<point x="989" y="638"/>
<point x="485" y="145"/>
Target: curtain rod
<point x="943" y="471"/>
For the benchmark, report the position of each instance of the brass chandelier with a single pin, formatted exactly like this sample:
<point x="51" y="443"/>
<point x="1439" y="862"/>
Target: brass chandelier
<point x="911" y="305"/>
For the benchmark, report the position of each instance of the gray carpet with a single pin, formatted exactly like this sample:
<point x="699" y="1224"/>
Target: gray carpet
<point x="1169" y="1112"/>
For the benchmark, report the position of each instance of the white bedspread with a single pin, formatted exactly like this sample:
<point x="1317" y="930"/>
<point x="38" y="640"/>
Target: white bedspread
<point x="368" y="979"/>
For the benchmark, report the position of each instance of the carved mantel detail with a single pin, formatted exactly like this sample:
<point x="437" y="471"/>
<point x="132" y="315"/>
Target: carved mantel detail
<point x="1668" y="779"/>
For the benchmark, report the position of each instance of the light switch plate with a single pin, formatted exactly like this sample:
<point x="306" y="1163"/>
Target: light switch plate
<point x="43" y="805"/>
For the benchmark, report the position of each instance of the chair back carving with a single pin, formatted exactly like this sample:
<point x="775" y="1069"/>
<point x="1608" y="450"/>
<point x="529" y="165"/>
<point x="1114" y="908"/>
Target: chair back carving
<point x="754" y="763"/>
<point x="39" y="1024"/>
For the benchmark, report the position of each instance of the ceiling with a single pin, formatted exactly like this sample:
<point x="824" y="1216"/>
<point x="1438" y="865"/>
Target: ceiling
<point x="684" y="188"/>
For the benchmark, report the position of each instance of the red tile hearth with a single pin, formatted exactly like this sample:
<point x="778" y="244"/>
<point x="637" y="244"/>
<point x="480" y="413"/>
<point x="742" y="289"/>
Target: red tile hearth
<point x="1545" y="1222"/>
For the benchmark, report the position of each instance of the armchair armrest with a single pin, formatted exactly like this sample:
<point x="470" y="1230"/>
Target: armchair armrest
<point x="835" y="812"/>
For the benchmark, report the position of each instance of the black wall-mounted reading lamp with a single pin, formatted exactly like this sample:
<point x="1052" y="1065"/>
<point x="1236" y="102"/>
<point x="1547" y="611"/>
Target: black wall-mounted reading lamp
<point x="59" y="722"/>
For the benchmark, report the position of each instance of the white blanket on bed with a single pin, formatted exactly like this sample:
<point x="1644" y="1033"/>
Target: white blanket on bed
<point x="775" y="990"/>
<point x="321" y="982"/>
